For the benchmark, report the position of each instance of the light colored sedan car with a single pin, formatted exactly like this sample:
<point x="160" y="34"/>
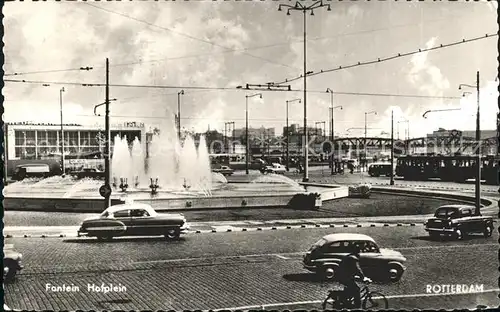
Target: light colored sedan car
<point x="134" y="219"/>
<point x="325" y="255"/>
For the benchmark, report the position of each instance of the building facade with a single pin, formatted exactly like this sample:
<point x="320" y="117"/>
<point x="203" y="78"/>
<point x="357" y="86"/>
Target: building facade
<point x="261" y="132"/>
<point x="27" y="142"/>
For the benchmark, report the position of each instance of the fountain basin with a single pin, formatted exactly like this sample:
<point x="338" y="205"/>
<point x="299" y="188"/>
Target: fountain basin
<point x="69" y="196"/>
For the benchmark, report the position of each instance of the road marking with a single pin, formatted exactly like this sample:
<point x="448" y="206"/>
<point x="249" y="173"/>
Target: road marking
<point x="442" y="246"/>
<point x="282" y="257"/>
<point x="262" y="306"/>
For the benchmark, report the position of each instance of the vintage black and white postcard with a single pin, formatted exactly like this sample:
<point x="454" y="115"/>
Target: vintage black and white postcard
<point x="250" y="155"/>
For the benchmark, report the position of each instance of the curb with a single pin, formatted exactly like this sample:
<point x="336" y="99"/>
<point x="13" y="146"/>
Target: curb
<point x="229" y="230"/>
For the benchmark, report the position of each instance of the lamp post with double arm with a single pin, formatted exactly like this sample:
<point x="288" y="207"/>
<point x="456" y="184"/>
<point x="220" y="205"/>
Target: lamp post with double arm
<point x="63" y="166"/>
<point x="246" y="129"/>
<point x="288" y="135"/>
<point x="300" y="7"/>
<point x="364" y="145"/>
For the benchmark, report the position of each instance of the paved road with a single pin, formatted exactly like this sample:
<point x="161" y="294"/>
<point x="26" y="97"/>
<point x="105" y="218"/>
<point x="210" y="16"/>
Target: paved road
<point x="224" y="270"/>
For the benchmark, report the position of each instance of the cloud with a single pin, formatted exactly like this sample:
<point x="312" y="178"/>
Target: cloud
<point x="425" y="76"/>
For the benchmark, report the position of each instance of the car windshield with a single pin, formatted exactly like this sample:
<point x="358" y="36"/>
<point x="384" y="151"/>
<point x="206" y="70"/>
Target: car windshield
<point x="446" y="212"/>
<point x="319" y="243"/>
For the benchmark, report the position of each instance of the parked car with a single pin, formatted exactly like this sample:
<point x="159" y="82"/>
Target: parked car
<point x="458" y="221"/>
<point x="93" y="173"/>
<point x="378" y="169"/>
<point x="31" y="170"/>
<point x="224" y="170"/>
<point x="12" y="263"/>
<point x="133" y="219"/>
<point x="275" y="168"/>
<point x="325" y="255"/>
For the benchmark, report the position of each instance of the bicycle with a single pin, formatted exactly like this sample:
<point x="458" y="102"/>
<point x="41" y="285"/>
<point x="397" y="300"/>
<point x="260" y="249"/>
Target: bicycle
<point x="370" y="300"/>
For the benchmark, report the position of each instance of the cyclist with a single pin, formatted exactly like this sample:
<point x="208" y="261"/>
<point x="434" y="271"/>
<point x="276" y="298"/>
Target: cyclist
<point x="348" y="270"/>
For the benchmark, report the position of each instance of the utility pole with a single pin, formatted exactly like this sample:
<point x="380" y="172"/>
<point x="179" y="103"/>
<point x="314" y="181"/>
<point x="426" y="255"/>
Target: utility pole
<point x="392" y="148"/>
<point x="63" y="166"/>
<point x="179" y="112"/>
<point x="364" y="145"/>
<point x="478" y="151"/>
<point x="306" y="145"/>
<point x="225" y="135"/>
<point x="288" y="135"/>
<point x="107" y="174"/>
<point x="246" y="127"/>
<point x="478" y="147"/>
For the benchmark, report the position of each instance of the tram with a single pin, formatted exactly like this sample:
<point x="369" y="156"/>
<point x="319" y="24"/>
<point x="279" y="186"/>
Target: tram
<point x="455" y="168"/>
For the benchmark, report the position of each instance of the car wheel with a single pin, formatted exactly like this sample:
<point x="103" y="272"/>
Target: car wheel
<point x="488" y="231"/>
<point x="328" y="272"/>
<point x="172" y="234"/>
<point x="395" y="271"/>
<point x="9" y="270"/>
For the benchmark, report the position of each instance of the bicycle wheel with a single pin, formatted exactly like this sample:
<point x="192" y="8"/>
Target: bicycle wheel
<point x="329" y="303"/>
<point x="375" y="301"/>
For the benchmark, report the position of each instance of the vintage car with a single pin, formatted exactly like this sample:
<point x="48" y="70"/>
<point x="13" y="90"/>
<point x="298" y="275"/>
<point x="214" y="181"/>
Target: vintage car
<point x="93" y="173"/>
<point x="324" y="257"/>
<point x="275" y="168"/>
<point x="31" y="171"/>
<point x="12" y="262"/>
<point x="458" y="221"/>
<point x="224" y="170"/>
<point x="133" y="219"/>
<point x="378" y="169"/>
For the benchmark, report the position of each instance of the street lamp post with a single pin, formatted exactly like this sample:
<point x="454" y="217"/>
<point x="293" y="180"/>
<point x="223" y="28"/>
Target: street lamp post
<point x="300" y="7"/>
<point x="364" y="145"/>
<point x="478" y="148"/>
<point x="392" y="149"/>
<point x="63" y="166"/>
<point x="288" y="135"/>
<point x="179" y="112"/>
<point x="332" y="130"/>
<point x="407" y="134"/>
<point x="246" y="129"/>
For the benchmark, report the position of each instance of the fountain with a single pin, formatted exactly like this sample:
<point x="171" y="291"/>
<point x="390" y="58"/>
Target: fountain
<point x="176" y="175"/>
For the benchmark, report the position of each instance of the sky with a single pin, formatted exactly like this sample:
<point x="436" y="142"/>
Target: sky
<point x="221" y="45"/>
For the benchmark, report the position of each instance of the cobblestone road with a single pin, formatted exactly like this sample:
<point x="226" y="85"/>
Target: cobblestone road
<point x="222" y="270"/>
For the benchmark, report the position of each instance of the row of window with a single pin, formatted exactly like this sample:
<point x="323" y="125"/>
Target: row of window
<point x="50" y="137"/>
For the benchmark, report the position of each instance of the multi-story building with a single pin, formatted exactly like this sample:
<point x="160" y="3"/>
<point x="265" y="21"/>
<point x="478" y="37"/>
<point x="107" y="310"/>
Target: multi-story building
<point x="261" y="132"/>
<point x="456" y="141"/>
<point x="29" y="142"/>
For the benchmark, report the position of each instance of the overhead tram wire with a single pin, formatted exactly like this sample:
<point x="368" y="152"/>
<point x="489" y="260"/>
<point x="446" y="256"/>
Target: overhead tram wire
<point x="227" y="51"/>
<point x="186" y="35"/>
<point x="380" y="60"/>
<point x="227" y="89"/>
<point x="267" y="46"/>
<point x="202" y="118"/>
<point x="49" y="71"/>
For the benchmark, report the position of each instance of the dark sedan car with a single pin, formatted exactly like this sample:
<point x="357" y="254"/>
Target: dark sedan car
<point x="134" y="219"/>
